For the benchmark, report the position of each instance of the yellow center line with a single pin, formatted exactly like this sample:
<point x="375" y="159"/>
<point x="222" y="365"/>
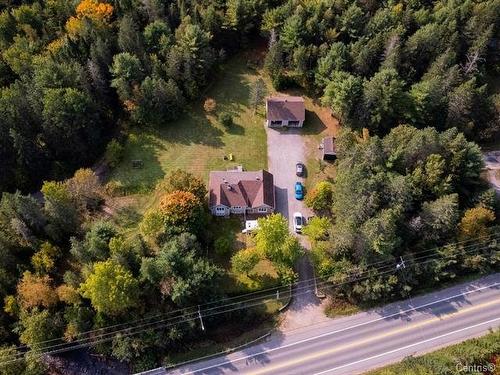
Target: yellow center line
<point x="410" y="327"/>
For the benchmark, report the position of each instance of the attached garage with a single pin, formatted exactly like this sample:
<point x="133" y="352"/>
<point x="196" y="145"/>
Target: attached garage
<point x="285" y="111"/>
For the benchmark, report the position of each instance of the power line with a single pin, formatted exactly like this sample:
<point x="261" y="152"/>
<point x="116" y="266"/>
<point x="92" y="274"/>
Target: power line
<point x="194" y="311"/>
<point x="163" y="324"/>
<point x="167" y="322"/>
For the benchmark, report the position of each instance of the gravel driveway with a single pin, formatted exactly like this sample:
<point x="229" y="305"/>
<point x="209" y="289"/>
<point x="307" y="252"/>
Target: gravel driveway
<point x="284" y="149"/>
<point x="492" y="162"/>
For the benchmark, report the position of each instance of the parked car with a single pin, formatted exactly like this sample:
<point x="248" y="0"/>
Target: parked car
<point x="298" y="222"/>
<point x="299" y="191"/>
<point x="299" y="169"/>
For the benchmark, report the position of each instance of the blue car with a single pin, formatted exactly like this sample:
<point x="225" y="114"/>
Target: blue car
<point x="299" y="191"/>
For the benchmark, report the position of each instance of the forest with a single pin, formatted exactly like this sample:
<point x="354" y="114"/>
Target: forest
<point x="414" y="84"/>
<point x="415" y="193"/>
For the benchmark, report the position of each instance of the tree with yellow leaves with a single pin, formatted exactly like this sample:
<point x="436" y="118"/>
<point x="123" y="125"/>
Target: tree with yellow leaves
<point x="91" y="10"/>
<point x="474" y="223"/>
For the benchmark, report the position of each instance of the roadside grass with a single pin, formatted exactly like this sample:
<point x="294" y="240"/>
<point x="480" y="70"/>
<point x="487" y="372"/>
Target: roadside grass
<point x="338" y="307"/>
<point x="482" y="351"/>
<point x="197" y="142"/>
<point x="222" y="339"/>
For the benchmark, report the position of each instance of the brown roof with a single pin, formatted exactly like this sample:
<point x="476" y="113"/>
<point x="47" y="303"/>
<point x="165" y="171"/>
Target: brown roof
<point x="286" y="108"/>
<point x="329" y="146"/>
<point x="245" y="189"/>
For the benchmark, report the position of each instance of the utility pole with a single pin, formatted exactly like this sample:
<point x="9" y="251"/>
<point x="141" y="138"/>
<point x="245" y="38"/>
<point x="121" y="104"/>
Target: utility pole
<point x="401" y="264"/>
<point x="201" y="319"/>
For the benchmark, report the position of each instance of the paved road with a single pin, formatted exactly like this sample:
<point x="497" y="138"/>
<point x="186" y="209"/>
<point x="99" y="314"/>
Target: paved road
<point x="368" y="340"/>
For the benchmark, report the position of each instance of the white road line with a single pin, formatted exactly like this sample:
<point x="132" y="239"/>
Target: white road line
<point x="339" y="330"/>
<point x="406" y="347"/>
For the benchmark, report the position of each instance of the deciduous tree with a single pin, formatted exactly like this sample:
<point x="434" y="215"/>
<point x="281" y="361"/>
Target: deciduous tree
<point x="111" y="288"/>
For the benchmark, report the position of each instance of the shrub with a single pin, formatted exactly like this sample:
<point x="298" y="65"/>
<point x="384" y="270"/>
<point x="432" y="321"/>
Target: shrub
<point x="115" y="188"/>
<point x="244" y="261"/>
<point x="226" y="119"/>
<point x="114" y="153"/>
<point x="223" y="245"/>
<point x="321" y="197"/>
<point x="210" y="105"/>
<point x="317" y="228"/>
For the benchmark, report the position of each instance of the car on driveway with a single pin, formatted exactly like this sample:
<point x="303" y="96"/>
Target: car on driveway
<point x="299" y="191"/>
<point x="299" y="169"/>
<point x="298" y="222"/>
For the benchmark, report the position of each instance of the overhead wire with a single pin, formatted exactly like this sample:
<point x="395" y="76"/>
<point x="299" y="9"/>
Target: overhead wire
<point x="194" y="315"/>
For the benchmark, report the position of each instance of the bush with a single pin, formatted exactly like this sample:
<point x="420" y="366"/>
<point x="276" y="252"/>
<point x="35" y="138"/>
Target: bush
<point x="226" y="119"/>
<point x="115" y="188"/>
<point x="210" y="105"/>
<point x="317" y="228"/>
<point x="244" y="261"/>
<point x="114" y="153"/>
<point x="223" y="246"/>
<point x="321" y="197"/>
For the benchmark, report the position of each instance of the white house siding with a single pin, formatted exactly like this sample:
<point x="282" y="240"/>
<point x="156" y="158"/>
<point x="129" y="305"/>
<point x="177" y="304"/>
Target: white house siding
<point x="261" y="210"/>
<point x="220" y="211"/>
<point x="284" y="123"/>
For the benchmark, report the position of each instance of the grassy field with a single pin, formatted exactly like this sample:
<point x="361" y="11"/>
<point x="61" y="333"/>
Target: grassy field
<point x="197" y="142"/>
<point x="481" y="351"/>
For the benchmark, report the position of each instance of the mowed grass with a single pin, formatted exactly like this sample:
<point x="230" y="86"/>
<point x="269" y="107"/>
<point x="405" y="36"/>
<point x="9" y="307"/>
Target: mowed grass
<point x="197" y="142"/>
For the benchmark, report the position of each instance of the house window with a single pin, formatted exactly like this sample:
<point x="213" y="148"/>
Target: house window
<point x="220" y="209"/>
<point x="262" y="209"/>
<point x="236" y="207"/>
<point x="276" y="122"/>
<point x="293" y="123"/>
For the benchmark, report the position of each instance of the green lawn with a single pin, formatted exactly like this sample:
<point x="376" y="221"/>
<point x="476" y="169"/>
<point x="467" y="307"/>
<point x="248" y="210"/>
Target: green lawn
<point x="196" y="141"/>
<point x="263" y="276"/>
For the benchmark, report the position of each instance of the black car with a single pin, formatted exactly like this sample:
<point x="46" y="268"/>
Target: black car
<point x="299" y="169"/>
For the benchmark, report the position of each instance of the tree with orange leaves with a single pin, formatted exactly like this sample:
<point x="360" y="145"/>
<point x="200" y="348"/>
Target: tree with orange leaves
<point x="36" y="291"/>
<point x="94" y="10"/>
<point x="180" y="209"/>
<point x="98" y="13"/>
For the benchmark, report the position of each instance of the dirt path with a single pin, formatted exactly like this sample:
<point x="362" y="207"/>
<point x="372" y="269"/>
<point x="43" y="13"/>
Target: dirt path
<point x="285" y="149"/>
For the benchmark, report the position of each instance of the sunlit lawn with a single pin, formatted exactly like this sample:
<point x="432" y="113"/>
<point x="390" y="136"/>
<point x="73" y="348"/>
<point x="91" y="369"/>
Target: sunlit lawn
<point x="196" y="141"/>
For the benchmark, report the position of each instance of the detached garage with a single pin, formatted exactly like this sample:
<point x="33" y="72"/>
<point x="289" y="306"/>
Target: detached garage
<point x="329" y="149"/>
<point x="285" y="111"/>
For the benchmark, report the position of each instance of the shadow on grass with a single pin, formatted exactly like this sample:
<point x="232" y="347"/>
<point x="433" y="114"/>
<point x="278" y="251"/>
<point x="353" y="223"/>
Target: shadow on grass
<point x="127" y="217"/>
<point x="192" y="128"/>
<point x="313" y="124"/>
<point x="143" y="147"/>
<point x="236" y="129"/>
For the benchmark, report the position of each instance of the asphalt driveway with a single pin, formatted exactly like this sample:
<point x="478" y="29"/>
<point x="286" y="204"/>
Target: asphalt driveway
<point x="284" y="149"/>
